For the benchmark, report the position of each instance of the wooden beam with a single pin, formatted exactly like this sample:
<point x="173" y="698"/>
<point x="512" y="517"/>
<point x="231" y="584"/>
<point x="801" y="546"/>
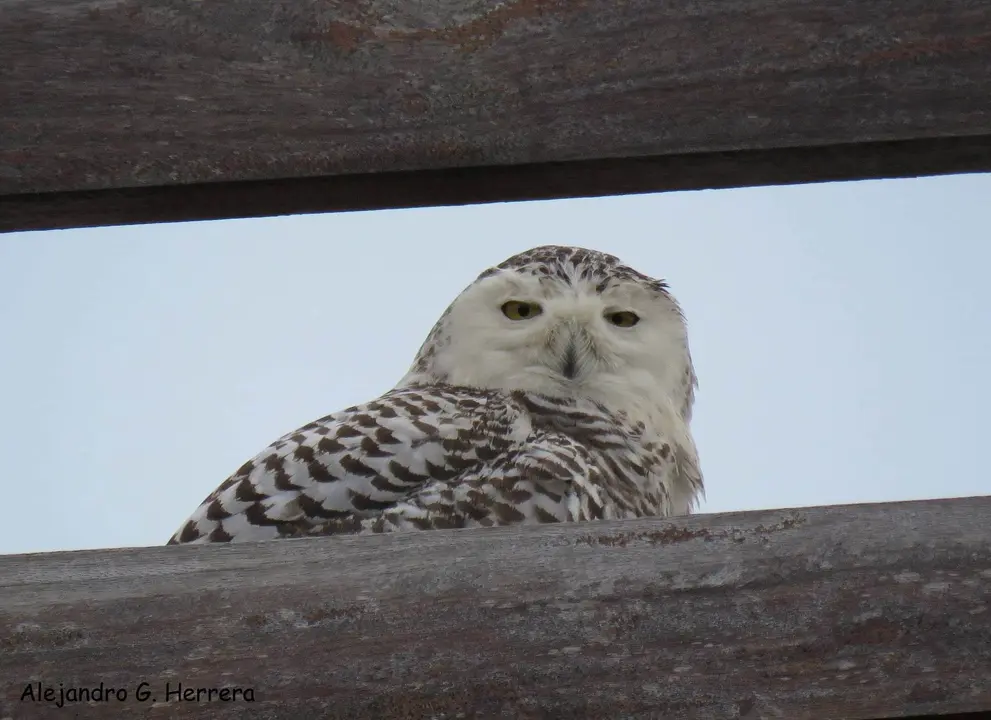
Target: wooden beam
<point x="864" y="611"/>
<point x="501" y="183"/>
<point x="116" y="111"/>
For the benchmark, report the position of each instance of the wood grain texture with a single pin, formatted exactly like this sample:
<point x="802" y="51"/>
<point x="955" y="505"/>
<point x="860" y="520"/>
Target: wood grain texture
<point x="864" y="611"/>
<point x="497" y="183"/>
<point x="102" y="95"/>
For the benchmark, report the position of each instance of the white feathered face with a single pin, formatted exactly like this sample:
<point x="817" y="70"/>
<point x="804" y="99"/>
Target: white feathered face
<point x="565" y="321"/>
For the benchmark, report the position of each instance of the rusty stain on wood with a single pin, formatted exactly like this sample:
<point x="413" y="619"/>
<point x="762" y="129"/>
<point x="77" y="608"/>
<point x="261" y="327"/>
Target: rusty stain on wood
<point x="866" y="611"/>
<point x="675" y="534"/>
<point x="330" y="94"/>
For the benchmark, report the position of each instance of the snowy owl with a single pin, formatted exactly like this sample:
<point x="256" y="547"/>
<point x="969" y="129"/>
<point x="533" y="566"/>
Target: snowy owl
<point x="557" y="387"/>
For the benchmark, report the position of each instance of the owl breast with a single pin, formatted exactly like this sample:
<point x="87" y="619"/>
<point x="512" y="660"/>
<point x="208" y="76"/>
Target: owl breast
<point x="546" y="459"/>
<point x="614" y="468"/>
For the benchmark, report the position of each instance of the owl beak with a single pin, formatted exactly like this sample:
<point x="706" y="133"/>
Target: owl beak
<point x="573" y="351"/>
<point x="569" y="365"/>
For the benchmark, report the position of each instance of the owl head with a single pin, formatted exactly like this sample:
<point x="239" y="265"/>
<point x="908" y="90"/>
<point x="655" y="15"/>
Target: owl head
<point x="565" y="322"/>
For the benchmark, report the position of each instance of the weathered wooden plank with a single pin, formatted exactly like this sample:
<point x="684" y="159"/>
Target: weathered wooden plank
<point x="102" y="95"/>
<point x="849" y="612"/>
<point x="500" y="183"/>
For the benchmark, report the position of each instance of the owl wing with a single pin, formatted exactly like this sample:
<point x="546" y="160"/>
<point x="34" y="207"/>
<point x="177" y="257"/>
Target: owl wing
<point x="343" y="472"/>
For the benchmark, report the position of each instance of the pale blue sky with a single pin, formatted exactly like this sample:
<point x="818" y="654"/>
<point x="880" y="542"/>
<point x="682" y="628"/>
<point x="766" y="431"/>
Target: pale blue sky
<point x="840" y="333"/>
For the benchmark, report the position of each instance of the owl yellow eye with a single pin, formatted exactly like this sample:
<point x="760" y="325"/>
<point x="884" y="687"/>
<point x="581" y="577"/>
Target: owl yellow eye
<point x="624" y="318"/>
<point x="519" y="310"/>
